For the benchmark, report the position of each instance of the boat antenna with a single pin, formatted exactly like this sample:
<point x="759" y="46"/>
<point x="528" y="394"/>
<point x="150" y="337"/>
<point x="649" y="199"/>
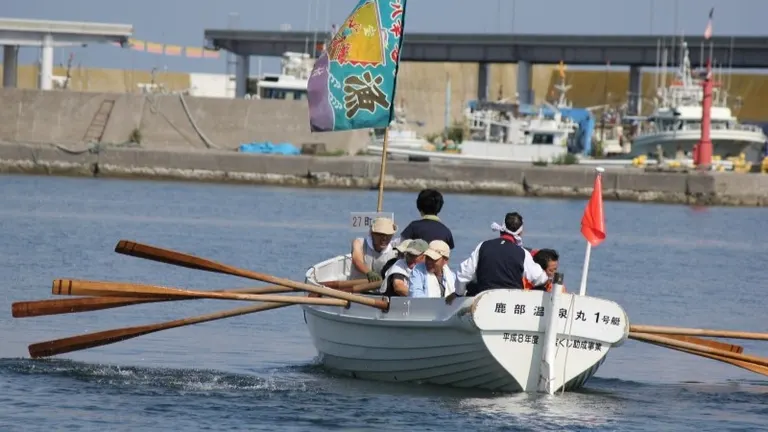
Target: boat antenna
<point x="309" y="18"/>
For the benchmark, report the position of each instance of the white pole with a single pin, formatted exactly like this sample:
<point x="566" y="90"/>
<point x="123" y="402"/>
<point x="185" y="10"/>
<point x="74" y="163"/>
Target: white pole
<point x="547" y="380"/>
<point x="585" y="270"/>
<point x="587" y="253"/>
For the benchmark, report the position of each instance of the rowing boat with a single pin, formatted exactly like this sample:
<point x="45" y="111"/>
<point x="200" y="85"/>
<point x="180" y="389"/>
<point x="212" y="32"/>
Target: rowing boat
<point x="493" y="341"/>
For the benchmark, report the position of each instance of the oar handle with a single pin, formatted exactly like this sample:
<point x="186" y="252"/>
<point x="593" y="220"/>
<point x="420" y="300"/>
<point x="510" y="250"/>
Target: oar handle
<point x="185" y="260"/>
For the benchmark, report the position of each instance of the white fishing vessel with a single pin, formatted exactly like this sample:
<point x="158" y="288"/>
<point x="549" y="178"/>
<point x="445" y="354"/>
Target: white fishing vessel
<point x="499" y="131"/>
<point x="290" y="83"/>
<point x="675" y="124"/>
<point x="401" y="135"/>
<point x="494" y="341"/>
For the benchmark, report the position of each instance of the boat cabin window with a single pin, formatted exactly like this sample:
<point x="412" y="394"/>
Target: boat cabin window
<point x="543" y="139"/>
<point x="273" y="93"/>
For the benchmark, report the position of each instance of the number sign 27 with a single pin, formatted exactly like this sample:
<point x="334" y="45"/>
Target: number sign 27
<point x="361" y="221"/>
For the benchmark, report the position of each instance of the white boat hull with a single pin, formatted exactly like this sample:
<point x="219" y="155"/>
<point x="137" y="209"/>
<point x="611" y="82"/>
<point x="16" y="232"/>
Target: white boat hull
<point x="725" y="142"/>
<point x="468" y="344"/>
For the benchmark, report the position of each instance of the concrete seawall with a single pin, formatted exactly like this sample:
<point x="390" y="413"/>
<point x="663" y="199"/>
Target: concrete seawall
<point x="163" y="121"/>
<point x="363" y="172"/>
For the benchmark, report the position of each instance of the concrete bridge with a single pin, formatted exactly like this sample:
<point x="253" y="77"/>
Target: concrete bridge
<point x="16" y="33"/>
<point x="484" y="49"/>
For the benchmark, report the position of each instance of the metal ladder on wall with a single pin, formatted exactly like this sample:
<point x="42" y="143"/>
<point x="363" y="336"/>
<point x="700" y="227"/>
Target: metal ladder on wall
<point x="95" y="131"/>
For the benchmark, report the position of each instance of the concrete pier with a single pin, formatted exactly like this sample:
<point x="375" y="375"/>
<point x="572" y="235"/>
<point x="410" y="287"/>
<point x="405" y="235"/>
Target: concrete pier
<point x="622" y="184"/>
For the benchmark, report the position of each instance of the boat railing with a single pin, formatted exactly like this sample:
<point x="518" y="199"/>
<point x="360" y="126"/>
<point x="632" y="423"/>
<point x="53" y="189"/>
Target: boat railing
<point x="737" y="127"/>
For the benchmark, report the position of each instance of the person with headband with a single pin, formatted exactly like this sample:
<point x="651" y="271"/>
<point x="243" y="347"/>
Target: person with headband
<point x="500" y="262"/>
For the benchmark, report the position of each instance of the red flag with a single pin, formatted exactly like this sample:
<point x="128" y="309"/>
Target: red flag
<point x="593" y="221"/>
<point x="708" y="30"/>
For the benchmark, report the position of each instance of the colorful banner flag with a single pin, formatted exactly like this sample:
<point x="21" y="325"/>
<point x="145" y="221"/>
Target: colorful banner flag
<point x="173" y="50"/>
<point x="194" y="52"/>
<point x="352" y="85"/>
<point x="155" y="48"/>
<point x="136" y="44"/>
<point x="210" y="53"/>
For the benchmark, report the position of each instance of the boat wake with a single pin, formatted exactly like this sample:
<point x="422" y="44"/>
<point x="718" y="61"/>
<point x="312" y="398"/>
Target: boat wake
<point x="164" y="379"/>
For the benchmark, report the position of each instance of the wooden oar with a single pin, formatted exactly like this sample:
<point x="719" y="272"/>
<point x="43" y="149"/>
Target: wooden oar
<point x="763" y="370"/>
<point x="645" y="337"/>
<point x="728" y="334"/>
<point x="25" y="309"/>
<point x="106" y="337"/>
<point x="32" y="308"/>
<point x="185" y="260"/>
<point x="710" y="343"/>
<point x="118" y="289"/>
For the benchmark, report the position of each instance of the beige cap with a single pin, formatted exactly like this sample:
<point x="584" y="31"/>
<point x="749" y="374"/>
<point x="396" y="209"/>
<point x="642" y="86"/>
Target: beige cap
<point x="383" y="226"/>
<point x="438" y="249"/>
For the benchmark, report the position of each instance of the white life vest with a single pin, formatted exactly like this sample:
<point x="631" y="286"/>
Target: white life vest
<point x="449" y="281"/>
<point x="399" y="267"/>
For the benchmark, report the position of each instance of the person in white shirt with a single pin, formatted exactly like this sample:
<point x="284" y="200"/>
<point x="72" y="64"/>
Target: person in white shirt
<point x="433" y="277"/>
<point x="501" y="262"/>
<point x="397" y="276"/>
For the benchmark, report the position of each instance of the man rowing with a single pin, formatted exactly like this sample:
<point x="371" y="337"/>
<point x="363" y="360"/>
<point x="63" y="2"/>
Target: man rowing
<point x="397" y="277"/>
<point x="500" y="262"/>
<point x="372" y="252"/>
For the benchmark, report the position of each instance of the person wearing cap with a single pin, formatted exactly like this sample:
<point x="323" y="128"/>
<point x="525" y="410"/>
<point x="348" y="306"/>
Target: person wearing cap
<point x="429" y="227"/>
<point x="371" y="253"/>
<point x="500" y="262"/>
<point x="433" y="277"/>
<point x="397" y="277"/>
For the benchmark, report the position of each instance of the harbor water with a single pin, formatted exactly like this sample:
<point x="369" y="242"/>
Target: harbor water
<point x="665" y="264"/>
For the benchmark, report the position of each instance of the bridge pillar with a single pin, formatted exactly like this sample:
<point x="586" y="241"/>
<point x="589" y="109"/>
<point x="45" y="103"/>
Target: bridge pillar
<point x="524" y="74"/>
<point x="635" y="91"/>
<point x="482" y="81"/>
<point x="46" y="63"/>
<point x="242" y="70"/>
<point x="10" y="65"/>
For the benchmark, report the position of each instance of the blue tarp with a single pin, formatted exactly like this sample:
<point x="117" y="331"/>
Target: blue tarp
<point x="269" y="148"/>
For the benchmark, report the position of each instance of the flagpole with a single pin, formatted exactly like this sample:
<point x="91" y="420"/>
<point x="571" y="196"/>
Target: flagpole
<point x="382" y="170"/>
<point x="587" y="253"/>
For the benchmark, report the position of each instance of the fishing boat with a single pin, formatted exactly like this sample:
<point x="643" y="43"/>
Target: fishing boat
<point x="675" y="124"/>
<point x="494" y="341"/>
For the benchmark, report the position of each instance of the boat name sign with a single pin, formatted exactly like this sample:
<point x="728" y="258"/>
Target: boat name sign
<point x="361" y="221"/>
<point x="518" y="311"/>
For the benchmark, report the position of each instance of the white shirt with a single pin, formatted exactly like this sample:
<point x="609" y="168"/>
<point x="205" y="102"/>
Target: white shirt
<point x="531" y="271"/>
<point x="399" y="267"/>
<point x="425" y="284"/>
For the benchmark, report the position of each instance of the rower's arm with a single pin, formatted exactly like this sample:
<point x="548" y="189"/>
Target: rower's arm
<point x="358" y="257"/>
<point x="532" y="271"/>
<point x="466" y="272"/>
<point x="400" y="285"/>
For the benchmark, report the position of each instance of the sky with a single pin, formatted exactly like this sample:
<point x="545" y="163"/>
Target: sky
<point x="183" y="23"/>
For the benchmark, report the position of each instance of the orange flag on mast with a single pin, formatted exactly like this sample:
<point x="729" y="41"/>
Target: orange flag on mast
<point x="593" y="221"/>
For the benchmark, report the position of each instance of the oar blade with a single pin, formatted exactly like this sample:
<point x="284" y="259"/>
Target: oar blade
<point x="154" y="253"/>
